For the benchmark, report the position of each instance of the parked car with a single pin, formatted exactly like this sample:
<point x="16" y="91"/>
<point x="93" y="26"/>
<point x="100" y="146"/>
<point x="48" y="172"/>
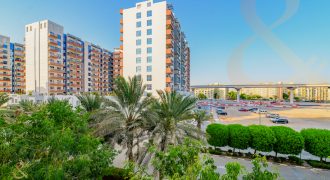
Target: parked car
<point x="261" y="111"/>
<point x="270" y="115"/>
<point x="253" y="109"/>
<point x="280" y="120"/>
<point x="221" y="112"/>
<point x="221" y="107"/>
<point x="243" y="109"/>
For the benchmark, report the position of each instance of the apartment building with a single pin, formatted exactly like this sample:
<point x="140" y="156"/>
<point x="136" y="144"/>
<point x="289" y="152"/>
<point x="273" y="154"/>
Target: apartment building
<point x="106" y="72"/>
<point x="154" y="46"/>
<point x="117" y="62"/>
<point x="318" y="94"/>
<point x="17" y="52"/>
<point x="92" y="67"/>
<point x="5" y="65"/>
<point x="45" y="71"/>
<point x="73" y="50"/>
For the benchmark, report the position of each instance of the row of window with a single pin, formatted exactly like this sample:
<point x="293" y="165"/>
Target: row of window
<point x="138" y="33"/>
<point x="138" y="69"/>
<point x="139" y="24"/>
<point x="139" y="14"/>
<point x="139" y="51"/>
<point x="149" y="41"/>
<point x="149" y="59"/>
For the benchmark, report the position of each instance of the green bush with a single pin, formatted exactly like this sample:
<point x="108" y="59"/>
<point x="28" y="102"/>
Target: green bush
<point x="239" y="136"/>
<point x="318" y="164"/>
<point x="262" y="138"/>
<point x="295" y="160"/>
<point x="288" y="141"/>
<point x="217" y="135"/>
<point x="317" y="142"/>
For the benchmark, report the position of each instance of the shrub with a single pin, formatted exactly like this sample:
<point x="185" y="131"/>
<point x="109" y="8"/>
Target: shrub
<point x="296" y="160"/>
<point x="288" y="141"/>
<point x="318" y="164"/>
<point x="317" y="142"/>
<point x="262" y="138"/>
<point x="217" y="135"/>
<point x="239" y="136"/>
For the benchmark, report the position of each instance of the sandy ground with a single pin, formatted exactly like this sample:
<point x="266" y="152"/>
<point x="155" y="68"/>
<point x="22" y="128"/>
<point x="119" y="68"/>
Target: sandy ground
<point x="299" y="118"/>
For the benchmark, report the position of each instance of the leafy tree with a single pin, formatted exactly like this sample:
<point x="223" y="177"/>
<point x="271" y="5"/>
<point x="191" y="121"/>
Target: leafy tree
<point x="124" y="114"/>
<point x="262" y="138"/>
<point x="288" y="141"/>
<point x="201" y="96"/>
<point x="52" y="143"/>
<point x="285" y="96"/>
<point x="216" y="94"/>
<point x="317" y="142"/>
<point x="232" y="95"/>
<point x="185" y="162"/>
<point x="233" y="170"/>
<point x="217" y="135"/>
<point x="260" y="171"/>
<point x="239" y="136"/>
<point x="90" y="101"/>
<point x="4" y="98"/>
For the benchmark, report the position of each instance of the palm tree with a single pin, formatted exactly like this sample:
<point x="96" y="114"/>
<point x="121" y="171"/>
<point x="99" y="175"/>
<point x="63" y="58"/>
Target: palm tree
<point x="200" y="116"/>
<point x="90" y="102"/>
<point x="173" y="111"/>
<point x="27" y="105"/>
<point x="125" y="113"/>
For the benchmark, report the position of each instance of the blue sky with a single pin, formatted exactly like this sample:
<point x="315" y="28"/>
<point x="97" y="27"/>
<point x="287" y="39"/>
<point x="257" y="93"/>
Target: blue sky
<point x="214" y="28"/>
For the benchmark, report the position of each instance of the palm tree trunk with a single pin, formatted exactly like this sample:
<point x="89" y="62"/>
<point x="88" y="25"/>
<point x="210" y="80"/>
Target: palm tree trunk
<point x="130" y="147"/>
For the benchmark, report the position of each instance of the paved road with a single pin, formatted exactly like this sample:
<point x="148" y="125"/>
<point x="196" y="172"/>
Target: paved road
<point x="286" y="172"/>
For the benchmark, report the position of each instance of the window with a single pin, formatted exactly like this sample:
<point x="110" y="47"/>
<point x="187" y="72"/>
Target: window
<point x="149" y="41"/>
<point x="138" y="24"/>
<point x="138" y="15"/>
<point x="149" y="13"/>
<point x="138" y="51"/>
<point x="58" y="36"/>
<point x="138" y="33"/>
<point x="149" y="4"/>
<point x="149" y="31"/>
<point x="138" y="42"/>
<point x="149" y="22"/>
<point x="27" y="29"/>
<point x="149" y="50"/>
<point x="149" y="87"/>
<point x="138" y="60"/>
<point x="149" y="77"/>
<point x="149" y="59"/>
<point x="149" y="68"/>
<point x="138" y="69"/>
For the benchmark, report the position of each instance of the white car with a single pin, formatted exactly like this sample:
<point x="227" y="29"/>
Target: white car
<point x="261" y="111"/>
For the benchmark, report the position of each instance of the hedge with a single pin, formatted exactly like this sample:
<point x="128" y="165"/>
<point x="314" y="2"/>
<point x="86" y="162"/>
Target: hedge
<point x="262" y="138"/>
<point x="239" y="136"/>
<point x="217" y="135"/>
<point x="288" y="141"/>
<point x="317" y="142"/>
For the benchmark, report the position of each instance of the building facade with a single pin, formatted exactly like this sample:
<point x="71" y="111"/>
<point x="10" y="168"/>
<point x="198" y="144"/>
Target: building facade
<point x="59" y="63"/>
<point x="154" y="47"/>
<point x="17" y="53"/>
<point x="45" y="71"/>
<point x="5" y="65"/>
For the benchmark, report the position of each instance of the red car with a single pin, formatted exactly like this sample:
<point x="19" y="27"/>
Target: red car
<point x="243" y="110"/>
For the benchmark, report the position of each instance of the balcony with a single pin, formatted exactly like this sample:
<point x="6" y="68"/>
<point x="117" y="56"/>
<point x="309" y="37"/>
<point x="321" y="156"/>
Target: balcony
<point x="121" y="47"/>
<point x="121" y="38"/>
<point x="169" y="32"/>
<point x="52" y="36"/>
<point x="168" y="61"/>
<point x="169" y="12"/>
<point x="169" y="42"/>
<point x="121" y="11"/>
<point x="168" y="80"/>
<point x="169" y="51"/>
<point x="55" y="64"/>
<point x="121" y="21"/>
<point x="168" y="71"/>
<point x="121" y="30"/>
<point x="56" y="84"/>
<point x="168" y="89"/>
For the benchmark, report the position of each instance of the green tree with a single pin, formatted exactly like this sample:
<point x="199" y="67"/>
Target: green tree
<point x="4" y="98"/>
<point x="201" y="96"/>
<point x="317" y="142"/>
<point x="260" y="171"/>
<point x="232" y="95"/>
<point x="90" y="101"/>
<point x="124" y="114"/>
<point x="200" y="116"/>
<point x="239" y="136"/>
<point x="173" y="110"/>
<point x="216" y="94"/>
<point x="285" y="96"/>
<point x="288" y="141"/>
<point x="262" y="138"/>
<point x="217" y="135"/>
<point x="52" y="143"/>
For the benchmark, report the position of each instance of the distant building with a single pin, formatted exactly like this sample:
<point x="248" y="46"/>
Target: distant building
<point x="18" y="67"/>
<point x="318" y="94"/>
<point x="155" y="47"/>
<point x="6" y="65"/>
